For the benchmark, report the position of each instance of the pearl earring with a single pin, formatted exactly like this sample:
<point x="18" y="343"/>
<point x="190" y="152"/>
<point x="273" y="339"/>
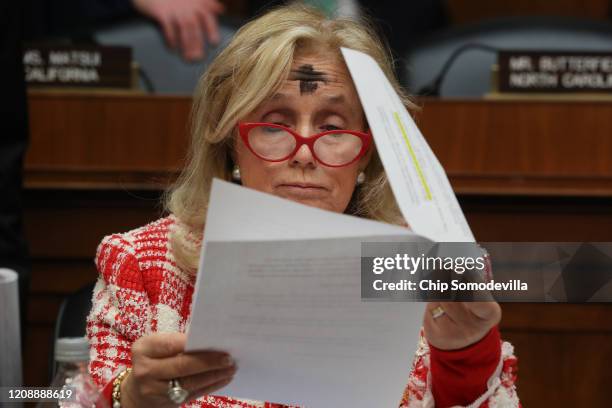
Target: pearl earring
<point x="361" y="178"/>
<point x="236" y="173"/>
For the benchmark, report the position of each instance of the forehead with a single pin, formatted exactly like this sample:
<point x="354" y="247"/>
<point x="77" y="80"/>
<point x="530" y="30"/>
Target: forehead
<point x="317" y="73"/>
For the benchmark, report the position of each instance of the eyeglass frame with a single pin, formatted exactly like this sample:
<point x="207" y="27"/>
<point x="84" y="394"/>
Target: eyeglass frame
<point x="245" y="127"/>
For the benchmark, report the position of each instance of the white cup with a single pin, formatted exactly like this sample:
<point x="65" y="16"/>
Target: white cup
<point x="10" y="338"/>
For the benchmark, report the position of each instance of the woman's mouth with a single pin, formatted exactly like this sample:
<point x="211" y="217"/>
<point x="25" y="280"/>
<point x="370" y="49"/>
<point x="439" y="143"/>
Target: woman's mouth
<point x="303" y="190"/>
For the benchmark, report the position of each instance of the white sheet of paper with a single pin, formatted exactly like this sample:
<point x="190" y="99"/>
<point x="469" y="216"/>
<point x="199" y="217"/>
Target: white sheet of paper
<point x="420" y="185"/>
<point x="264" y="217"/>
<point x="290" y="311"/>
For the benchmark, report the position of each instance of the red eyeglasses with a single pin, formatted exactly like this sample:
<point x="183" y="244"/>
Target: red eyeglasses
<point x="276" y="143"/>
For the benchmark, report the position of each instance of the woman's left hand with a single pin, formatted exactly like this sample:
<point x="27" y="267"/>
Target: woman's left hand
<point x="462" y="324"/>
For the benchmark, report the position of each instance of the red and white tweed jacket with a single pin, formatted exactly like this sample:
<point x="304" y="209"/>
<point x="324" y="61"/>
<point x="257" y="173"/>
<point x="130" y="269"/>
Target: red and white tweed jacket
<point x="141" y="290"/>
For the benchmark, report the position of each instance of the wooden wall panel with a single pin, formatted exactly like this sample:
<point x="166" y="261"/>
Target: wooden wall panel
<point x="522" y="147"/>
<point x="109" y="133"/>
<point x="538" y="218"/>
<point x="63" y="228"/>
<point x="563" y="369"/>
<point x="105" y="141"/>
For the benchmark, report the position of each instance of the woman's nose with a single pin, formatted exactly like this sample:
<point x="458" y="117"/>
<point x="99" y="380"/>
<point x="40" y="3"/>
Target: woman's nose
<point x="303" y="157"/>
<point x="305" y="128"/>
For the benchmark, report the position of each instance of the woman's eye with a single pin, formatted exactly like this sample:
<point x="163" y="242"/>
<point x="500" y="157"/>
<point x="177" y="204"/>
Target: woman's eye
<point x="329" y="127"/>
<point x="272" y="129"/>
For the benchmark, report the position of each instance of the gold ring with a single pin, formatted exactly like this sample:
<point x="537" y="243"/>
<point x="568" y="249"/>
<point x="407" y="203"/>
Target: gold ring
<point x="437" y="312"/>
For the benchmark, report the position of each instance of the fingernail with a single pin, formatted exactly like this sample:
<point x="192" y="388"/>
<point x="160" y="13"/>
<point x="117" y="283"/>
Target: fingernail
<point x="227" y="361"/>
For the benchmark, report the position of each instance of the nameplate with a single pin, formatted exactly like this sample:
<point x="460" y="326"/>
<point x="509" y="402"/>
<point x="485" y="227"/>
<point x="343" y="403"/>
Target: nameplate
<point x="555" y="72"/>
<point x="77" y="66"/>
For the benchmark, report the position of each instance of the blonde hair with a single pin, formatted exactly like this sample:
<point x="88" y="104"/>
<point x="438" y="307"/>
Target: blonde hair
<point x="249" y="70"/>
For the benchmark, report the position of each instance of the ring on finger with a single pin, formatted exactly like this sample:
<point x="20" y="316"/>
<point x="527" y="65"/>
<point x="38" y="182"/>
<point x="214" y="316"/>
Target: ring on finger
<point x="176" y="393"/>
<point x="437" y="312"/>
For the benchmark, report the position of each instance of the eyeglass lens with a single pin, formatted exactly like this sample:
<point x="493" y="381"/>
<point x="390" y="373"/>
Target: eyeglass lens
<point x="335" y="149"/>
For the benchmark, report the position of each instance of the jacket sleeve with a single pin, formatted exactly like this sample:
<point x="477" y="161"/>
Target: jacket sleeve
<point x="499" y="388"/>
<point x="120" y="311"/>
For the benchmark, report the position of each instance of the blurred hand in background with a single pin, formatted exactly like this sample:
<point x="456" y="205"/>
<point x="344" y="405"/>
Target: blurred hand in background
<point x="188" y="25"/>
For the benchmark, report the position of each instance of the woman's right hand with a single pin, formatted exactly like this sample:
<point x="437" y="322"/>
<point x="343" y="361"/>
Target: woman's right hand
<point x="158" y="358"/>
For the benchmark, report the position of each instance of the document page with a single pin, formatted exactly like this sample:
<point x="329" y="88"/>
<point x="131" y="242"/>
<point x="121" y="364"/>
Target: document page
<point x="420" y="185"/>
<point x="290" y="310"/>
<point x="259" y="216"/>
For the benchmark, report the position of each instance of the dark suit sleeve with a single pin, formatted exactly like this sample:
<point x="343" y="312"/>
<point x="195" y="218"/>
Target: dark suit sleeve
<point x="13" y="144"/>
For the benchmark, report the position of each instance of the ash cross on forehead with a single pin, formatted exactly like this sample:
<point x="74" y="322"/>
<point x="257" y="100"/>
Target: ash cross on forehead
<point x="308" y="78"/>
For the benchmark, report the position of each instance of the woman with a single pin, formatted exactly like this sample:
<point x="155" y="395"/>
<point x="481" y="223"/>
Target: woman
<point x="267" y="114"/>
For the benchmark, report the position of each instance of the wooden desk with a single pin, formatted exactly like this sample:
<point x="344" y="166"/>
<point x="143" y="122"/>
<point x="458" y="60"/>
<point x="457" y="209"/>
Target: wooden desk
<point x="521" y="147"/>
<point x="523" y="171"/>
<point x="487" y="147"/>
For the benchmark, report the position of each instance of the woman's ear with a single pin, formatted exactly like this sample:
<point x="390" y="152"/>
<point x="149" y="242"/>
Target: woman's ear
<point x="233" y="147"/>
<point x="231" y="154"/>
